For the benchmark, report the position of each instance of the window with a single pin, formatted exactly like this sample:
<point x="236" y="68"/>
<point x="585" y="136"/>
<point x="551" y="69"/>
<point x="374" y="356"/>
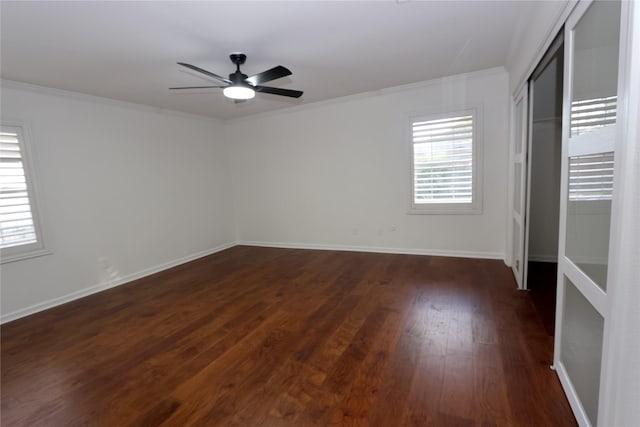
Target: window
<point x="445" y="153"/>
<point x="20" y="235"/>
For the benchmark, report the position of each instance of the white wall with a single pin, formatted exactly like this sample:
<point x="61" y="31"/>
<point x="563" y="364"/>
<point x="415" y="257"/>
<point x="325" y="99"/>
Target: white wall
<point x="337" y="174"/>
<point x="123" y="190"/>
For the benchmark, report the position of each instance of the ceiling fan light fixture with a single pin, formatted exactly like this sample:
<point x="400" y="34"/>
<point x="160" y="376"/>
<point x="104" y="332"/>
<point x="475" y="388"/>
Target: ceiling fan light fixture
<point x="241" y="87"/>
<point x="239" y="92"/>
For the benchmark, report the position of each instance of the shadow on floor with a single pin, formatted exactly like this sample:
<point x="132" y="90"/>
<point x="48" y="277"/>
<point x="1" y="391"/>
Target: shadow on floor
<point x="542" y="283"/>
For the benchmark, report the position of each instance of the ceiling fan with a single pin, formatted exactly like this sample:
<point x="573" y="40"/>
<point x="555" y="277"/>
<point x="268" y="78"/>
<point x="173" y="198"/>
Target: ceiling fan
<point x="241" y="87"/>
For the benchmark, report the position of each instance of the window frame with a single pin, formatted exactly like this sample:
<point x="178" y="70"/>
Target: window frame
<point x="475" y="206"/>
<point x="37" y="248"/>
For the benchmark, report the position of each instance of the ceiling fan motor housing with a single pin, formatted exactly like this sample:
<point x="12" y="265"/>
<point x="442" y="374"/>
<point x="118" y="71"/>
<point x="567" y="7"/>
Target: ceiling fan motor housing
<point x="238" y="58"/>
<point x="238" y="78"/>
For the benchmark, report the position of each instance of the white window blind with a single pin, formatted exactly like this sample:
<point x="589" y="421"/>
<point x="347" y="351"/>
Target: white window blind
<point x="590" y="114"/>
<point x="443" y="160"/>
<point x="17" y="225"/>
<point x="591" y="177"/>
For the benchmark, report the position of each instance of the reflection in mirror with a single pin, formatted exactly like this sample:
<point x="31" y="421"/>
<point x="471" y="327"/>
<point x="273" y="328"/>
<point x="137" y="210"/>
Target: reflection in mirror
<point x="517" y="187"/>
<point x="581" y="347"/>
<point x="516" y="245"/>
<point x="591" y="177"/>
<point x="519" y="118"/>
<point x="589" y="214"/>
<point x="591" y="114"/>
<point x="595" y="75"/>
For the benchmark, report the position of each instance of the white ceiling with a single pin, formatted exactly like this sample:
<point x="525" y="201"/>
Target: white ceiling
<point x="128" y="50"/>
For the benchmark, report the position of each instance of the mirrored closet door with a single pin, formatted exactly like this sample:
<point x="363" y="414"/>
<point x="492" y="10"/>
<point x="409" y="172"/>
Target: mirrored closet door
<point x="592" y="40"/>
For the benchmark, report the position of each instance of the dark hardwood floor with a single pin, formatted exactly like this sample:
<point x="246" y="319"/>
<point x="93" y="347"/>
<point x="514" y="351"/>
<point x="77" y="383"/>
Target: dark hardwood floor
<point x="542" y="283"/>
<point x="283" y="337"/>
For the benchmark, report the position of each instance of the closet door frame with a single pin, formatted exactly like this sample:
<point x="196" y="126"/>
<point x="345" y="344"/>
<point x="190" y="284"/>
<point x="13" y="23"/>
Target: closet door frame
<point x="518" y="205"/>
<point x="606" y="139"/>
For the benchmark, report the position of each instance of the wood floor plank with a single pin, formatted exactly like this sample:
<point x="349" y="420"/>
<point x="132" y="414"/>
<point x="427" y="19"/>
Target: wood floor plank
<point x="492" y="405"/>
<point x="422" y="407"/>
<point x="288" y="337"/>
<point x="357" y="402"/>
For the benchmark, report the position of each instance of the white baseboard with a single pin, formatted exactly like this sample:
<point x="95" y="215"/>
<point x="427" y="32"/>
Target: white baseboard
<point x="543" y="258"/>
<point x="602" y="261"/>
<point x="8" y="317"/>
<point x="572" y="396"/>
<point x="384" y="250"/>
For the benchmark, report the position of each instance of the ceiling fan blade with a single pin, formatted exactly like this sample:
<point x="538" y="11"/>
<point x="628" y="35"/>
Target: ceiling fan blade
<point x="205" y="72"/>
<point x="195" y="87"/>
<point x="278" y="91"/>
<point x="267" y="76"/>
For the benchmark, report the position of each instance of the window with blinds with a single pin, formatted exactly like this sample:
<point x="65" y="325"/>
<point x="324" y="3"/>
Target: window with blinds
<point x="18" y="225"/>
<point x="443" y="161"/>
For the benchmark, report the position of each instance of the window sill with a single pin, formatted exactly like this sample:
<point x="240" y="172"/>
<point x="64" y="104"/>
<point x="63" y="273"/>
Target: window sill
<point x="24" y="255"/>
<point x="445" y="211"/>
